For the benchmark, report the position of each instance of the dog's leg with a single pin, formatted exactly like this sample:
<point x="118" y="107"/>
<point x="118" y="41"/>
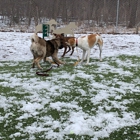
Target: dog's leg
<point x="72" y="50"/>
<point x="83" y="56"/>
<point x="38" y="65"/>
<point x="44" y="59"/>
<point x="37" y="60"/>
<point x="100" y="48"/>
<point x="100" y="44"/>
<point x="33" y="64"/>
<point x="65" y="49"/>
<point x="55" y="58"/>
<point x="69" y="48"/>
<point x="88" y="55"/>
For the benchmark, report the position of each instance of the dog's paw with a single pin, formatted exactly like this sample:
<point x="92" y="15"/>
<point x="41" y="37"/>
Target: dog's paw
<point x="76" y="63"/>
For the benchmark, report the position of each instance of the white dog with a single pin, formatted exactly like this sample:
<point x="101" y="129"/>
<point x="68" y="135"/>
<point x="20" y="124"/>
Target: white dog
<point x="86" y="43"/>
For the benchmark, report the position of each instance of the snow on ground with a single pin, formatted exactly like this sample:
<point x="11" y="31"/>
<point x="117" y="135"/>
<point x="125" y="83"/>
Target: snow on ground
<point x="15" y="46"/>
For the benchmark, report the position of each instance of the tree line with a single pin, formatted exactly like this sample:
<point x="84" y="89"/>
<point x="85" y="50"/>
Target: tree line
<point x="96" y="11"/>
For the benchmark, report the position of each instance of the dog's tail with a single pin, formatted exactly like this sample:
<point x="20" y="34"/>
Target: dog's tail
<point x="100" y="40"/>
<point x="34" y="38"/>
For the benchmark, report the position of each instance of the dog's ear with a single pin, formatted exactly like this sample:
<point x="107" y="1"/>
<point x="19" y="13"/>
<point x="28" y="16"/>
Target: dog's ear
<point x="62" y="34"/>
<point x="54" y="34"/>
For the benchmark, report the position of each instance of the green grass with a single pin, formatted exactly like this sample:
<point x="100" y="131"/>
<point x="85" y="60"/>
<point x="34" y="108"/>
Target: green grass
<point x="74" y="89"/>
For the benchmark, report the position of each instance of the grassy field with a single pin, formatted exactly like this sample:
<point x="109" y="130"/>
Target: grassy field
<point x="100" y="101"/>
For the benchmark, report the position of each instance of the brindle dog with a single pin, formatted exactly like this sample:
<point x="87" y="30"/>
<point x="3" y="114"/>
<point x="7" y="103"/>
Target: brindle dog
<point x="41" y="49"/>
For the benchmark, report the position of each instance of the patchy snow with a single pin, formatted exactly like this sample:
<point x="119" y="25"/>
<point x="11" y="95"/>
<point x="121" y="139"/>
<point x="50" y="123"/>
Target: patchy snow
<point x="16" y="46"/>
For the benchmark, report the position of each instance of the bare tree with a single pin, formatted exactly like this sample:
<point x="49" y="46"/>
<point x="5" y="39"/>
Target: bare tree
<point x="133" y="13"/>
<point x="95" y="10"/>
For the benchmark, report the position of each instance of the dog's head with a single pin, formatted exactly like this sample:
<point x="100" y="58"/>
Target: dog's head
<point x="62" y="39"/>
<point x="56" y="43"/>
<point x="59" y="43"/>
<point x="59" y="35"/>
<point x="62" y="43"/>
<point x="34" y="38"/>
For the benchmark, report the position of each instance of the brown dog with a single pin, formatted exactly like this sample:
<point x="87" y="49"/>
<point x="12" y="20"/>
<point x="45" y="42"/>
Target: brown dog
<point x="41" y="49"/>
<point x="69" y="43"/>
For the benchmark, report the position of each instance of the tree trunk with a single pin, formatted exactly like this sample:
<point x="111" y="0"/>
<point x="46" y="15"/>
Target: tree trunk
<point x="133" y="14"/>
<point x="29" y="14"/>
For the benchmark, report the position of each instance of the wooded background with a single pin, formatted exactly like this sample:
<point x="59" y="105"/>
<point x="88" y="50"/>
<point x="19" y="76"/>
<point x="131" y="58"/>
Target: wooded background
<point x="95" y="12"/>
